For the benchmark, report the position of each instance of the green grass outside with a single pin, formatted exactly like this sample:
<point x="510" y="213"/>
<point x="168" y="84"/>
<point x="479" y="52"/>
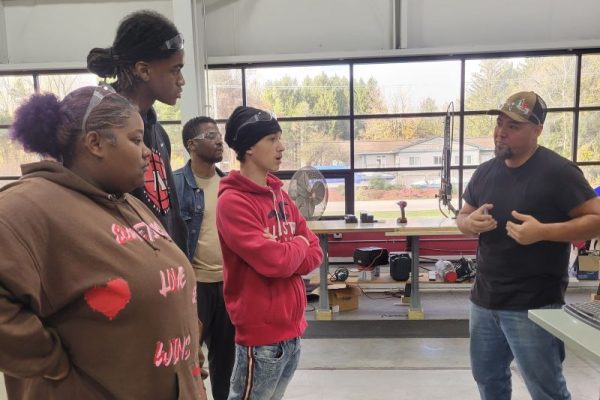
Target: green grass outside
<point x="416" y="214"/>
<point x="380" y="215"/>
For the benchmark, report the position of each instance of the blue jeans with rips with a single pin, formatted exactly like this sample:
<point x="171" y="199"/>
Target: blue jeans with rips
<point x="498" y="337"/>
<point x="264" y="372"/>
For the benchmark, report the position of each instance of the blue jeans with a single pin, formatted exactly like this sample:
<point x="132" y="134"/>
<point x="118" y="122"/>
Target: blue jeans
<point x="263" y="372"/>
<point x="498" y="337"/>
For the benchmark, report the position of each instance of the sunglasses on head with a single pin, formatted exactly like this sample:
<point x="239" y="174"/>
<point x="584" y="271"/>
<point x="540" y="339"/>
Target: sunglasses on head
<point x="261" y="116"/>
<point x="175" y="43"/>
<point x="99" y="94"/>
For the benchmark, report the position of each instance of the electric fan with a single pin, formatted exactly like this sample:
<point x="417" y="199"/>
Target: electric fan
<point x="308" y="189"/>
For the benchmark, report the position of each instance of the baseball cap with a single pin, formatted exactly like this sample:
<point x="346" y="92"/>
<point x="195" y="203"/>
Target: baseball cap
<point x="523" y="107"/>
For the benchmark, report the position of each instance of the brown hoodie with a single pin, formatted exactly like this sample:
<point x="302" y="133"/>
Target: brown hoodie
<point x="91" y="282"/>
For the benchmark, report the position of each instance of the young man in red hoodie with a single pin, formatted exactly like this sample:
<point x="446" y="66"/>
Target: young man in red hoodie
<point x="266" y="247"/>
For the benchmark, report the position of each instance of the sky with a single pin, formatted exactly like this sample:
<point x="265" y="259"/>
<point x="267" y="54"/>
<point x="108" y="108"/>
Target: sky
<point x="415" y="81"/>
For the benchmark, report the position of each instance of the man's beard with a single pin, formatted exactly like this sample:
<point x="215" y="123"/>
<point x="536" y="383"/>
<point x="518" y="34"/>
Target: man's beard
<point x="214" y="159"/>
<point x="503" y="153"/>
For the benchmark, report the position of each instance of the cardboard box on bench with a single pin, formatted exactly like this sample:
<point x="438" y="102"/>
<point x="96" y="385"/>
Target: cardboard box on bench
<point x="589" y="263"/>
<point x="588" y="267"/>
<point x="343" y="296"/>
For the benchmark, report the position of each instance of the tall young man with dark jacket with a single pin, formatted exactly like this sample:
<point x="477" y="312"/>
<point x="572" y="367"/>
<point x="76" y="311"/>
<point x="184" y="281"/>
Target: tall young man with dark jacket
<point x="197" y="184"/>
<point x="146" y="57"/>
<point x="267" y="247"/>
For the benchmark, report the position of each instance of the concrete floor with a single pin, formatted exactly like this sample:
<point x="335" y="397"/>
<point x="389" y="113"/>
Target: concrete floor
<point x="347" y="366"/>
<point x="409" y="368"/>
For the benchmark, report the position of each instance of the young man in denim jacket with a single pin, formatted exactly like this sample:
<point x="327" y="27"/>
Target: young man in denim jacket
<point x="197" y="184"/>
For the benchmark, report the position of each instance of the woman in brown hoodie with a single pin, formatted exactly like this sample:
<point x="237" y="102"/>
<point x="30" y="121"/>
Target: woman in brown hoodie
<point x="96" y="300"/>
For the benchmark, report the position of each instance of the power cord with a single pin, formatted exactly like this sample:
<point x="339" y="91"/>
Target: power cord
<point x="386" y="295"/>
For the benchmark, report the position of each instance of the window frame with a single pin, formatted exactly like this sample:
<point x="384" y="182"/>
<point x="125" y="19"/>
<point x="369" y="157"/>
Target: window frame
<point x="348" y="174"/>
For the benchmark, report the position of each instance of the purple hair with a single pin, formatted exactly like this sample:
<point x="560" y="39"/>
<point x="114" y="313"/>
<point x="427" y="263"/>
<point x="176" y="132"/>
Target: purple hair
<point x="50" y="127"/>
<point x="35" y="125"/>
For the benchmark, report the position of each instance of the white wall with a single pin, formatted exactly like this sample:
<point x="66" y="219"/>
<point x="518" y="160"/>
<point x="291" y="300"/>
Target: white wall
<point x="261" y="30"/>
<point x="50" y="34"/>
<point x="441" y="23"/>
<point x="64" y="31"/>
<point x="257" y="27"/>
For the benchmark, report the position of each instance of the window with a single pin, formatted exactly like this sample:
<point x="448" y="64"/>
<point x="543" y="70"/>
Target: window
<point x="224" y="91"/>
<point x="179" y="154"/>
<point x="489" y="82"/>
<point x="588" y="145"/>
<point x="300" y="91"/>
<point x="13" y="90"/>
<point x="315" y="143"/>
<point x="62" y="84"/>
<point x="384" y="140"/>
<point x="479" y="138"/>
<point x="409" y="87"/>
<point x="592" y="174"/>
<point x="379" y="193"/>
<point x="558" y="133"/>
<point x="12" y="156"/>
<point x="395" y="140"/>
<point x="590" y="79"/>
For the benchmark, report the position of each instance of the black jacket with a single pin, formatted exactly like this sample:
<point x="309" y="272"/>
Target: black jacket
<point x="158" y="192"/>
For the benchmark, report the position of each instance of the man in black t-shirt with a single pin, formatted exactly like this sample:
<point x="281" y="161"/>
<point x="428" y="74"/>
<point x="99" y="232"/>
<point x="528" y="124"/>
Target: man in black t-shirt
<point x="527" y="204"/>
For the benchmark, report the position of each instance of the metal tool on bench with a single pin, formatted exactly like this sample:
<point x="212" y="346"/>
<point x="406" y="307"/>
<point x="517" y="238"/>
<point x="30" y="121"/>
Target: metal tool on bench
<point x="445" y="271"/>
<point x="465" y="269"/>
<point x="402" y="218"/>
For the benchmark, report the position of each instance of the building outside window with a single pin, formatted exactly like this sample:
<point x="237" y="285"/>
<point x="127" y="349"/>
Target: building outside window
<point x="374" y="128"/>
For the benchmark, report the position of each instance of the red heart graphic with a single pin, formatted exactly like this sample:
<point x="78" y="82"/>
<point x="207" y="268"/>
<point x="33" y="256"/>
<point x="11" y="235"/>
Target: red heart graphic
<point x="110" y="299"/>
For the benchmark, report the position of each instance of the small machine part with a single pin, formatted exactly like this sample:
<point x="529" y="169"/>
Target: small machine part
<point x="366" y="218"/>
<point x="465" y="269"/>
<point x="340" y="275"/>
<point x="446" y="271"/>
<point x="366" y="275"/>
<point x="370" y="257"/>
<point x="350" y="219"/>
<point x="400" y="264"/>
<point x="431" y="275"/>
<point x="402" y="218"/>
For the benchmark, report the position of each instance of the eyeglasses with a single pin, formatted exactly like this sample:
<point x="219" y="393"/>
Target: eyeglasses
<point x="261" y="116"/>
<point x="212" y="135"/>
<point x="99" y="94"/>
<point x="175" y="43"/>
